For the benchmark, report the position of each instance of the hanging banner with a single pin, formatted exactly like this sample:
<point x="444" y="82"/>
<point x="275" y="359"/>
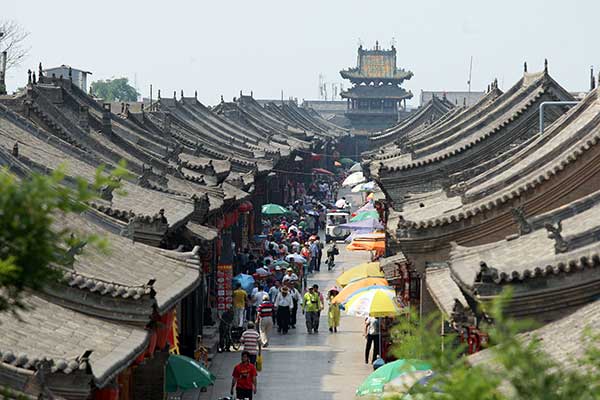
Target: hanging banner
<point x="224" y="288"/>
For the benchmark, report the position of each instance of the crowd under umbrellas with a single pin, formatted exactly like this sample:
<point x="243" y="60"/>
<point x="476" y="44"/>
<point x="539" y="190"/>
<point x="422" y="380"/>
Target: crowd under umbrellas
<point x="271" y="285"/>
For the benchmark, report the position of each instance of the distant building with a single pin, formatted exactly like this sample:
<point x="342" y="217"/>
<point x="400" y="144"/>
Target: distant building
<point x="78" y="76"/>
<point x="376" y="99"/>
<point x="327" y="109"/>
<point x="456" y="98"/>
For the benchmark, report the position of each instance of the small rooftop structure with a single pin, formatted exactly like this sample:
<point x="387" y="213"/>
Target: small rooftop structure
<point x="78" y="76"/>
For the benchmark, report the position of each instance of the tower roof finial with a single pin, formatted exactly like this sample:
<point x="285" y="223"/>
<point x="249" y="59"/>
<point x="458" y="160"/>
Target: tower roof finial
<point x="525" y="66"/>
<point x="545" y="65"/>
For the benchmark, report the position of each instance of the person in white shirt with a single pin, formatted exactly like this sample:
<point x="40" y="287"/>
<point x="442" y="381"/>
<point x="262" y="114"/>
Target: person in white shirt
<point x="257" y="295"/>
<point x="283" y="304"/>
<point x="290" y="276"/>
<point x="296" y="298"/>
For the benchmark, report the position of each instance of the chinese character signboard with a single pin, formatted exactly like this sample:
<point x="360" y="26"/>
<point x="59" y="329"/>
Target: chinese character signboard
<point x="224" y="288"/>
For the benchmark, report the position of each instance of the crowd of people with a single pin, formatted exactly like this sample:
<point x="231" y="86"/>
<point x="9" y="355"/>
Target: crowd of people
<point x="290" y="251"/>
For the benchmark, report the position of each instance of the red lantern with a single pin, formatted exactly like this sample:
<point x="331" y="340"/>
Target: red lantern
<point x="246" y="206"/>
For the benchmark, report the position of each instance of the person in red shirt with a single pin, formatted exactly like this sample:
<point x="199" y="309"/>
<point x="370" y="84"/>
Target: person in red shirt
<point x="244" y="378"/>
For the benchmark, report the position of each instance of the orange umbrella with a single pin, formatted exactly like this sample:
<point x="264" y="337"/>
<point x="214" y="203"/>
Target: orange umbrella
<point x="369" y="242"/>
<point x="354" y="286"/>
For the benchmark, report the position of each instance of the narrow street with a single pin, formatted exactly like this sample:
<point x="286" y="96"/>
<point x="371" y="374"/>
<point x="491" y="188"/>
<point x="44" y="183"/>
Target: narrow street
<point x="321" y="366"/>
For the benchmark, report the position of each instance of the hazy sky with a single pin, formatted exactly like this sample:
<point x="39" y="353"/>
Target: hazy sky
<point x="221" y="47"/>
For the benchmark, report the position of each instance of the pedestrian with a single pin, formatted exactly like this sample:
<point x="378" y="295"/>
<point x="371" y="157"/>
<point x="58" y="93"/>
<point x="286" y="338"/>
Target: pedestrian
<point x="333" y="313"/>
<point x="290" y="276"/>
<point x="283" y="304"/>
<point x="314" y="256"/>
<point x="244" y="378"/>
<point x="305" y="252"/>
<point x="265" y="319"/>
<point x="321" y="302"/>
<point x="257" y="298"/>
<point x="311" y="306"/>
<point x="320" y="253"/>
<point x="240" y="298"/>
<point x="372" y="335"/>
<point x="251" y="265"/>
<point x="296" y="298"/>
<point x="225" y="323"/>
<point x="251" y="342"/>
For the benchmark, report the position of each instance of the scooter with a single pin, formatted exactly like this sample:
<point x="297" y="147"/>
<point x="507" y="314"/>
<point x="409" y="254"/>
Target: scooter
<point x="331" y="253"/>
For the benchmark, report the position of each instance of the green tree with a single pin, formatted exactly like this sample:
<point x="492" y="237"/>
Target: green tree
<point x="31" y="249"/>
<point x="117" y="89"/>
<point x="519" y="369"/>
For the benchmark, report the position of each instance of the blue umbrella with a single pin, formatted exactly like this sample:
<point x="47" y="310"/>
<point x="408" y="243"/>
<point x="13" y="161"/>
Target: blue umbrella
<point x="247" y="282"/>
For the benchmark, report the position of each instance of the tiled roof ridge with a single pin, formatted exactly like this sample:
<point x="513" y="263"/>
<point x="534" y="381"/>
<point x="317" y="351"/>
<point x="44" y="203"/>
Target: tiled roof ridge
<point x="47" y="137"/>
<point x="465" y="115"/>
<point x="105" y="288"/>
<point x="539" y="140"/>
<point x="63" y="365"/>
<point x="230" y="137"/>
<point x="80" y="137"/>
<point x="457" y="116"/>
<point x="575" y="262"/>
<point x="121" y="215"/>
<point x="550" y="171"/>
<point x="516" y="95"/>
<point x="493" y="130"/>
<point x="409" y="123"/>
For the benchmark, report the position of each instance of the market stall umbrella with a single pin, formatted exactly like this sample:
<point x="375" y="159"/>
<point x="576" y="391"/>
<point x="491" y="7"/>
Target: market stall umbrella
<point x="247" y="281"/>
<point x="374" y="303"/>
<point x="356" y="168"/>
<point x="322" y="171"/>
<point x="274" y="209"/>
<point x="365" y="215"/>
<point x="354" y="179"/>
<point x="364" y="187"/>
<point x="370" y="224"/>
<point x="356" y="286"/>
<point x="184" y="373"/>
<point x="388" y="289"/>
<point x="369" y="206"/>
<point x="394" y="377"/>
<point x="281" y="263"/>
<point x="347" y="162"/>
<point x="297" y="258"/>
<point x="368" y="242"/>
<point x="366" y="270"/>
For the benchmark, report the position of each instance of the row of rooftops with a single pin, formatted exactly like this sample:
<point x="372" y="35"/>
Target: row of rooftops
<point x="481" y="200"/>
<point x="190" y="166"/>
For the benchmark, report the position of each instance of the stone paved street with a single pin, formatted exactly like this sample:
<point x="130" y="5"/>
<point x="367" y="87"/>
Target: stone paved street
<point x="324" y="366"/>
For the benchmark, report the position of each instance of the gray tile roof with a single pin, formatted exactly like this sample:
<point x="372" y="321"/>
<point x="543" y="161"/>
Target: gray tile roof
<point x="49" y="331"/>
<point x="444" y="291"/>
<point x="133" y="264"/>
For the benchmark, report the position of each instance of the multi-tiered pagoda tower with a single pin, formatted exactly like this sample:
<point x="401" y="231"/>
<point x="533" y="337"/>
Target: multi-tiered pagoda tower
<point x="376" y="99"/>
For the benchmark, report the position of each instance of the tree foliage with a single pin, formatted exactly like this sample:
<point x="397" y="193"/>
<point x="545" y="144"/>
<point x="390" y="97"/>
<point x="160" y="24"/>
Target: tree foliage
<point x="117" y="89"/>
<point x="519" y="370"/>
<point x="13" y="41"/>
<point x="30" y="246"/>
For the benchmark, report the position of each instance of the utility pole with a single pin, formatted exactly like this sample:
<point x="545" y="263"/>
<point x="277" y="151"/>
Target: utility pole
<point x="470" y="72"/>
<point x="2" y="69"/>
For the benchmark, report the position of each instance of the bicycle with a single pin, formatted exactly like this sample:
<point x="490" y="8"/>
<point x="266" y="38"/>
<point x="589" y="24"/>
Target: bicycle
<point x="232" y="335"/>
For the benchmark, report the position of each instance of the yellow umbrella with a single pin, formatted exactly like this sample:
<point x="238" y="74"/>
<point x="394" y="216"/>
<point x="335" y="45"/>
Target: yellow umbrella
<point x="374" y="303"/>
<point x="357" y="285"/>
<point x="366" y="270"/>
